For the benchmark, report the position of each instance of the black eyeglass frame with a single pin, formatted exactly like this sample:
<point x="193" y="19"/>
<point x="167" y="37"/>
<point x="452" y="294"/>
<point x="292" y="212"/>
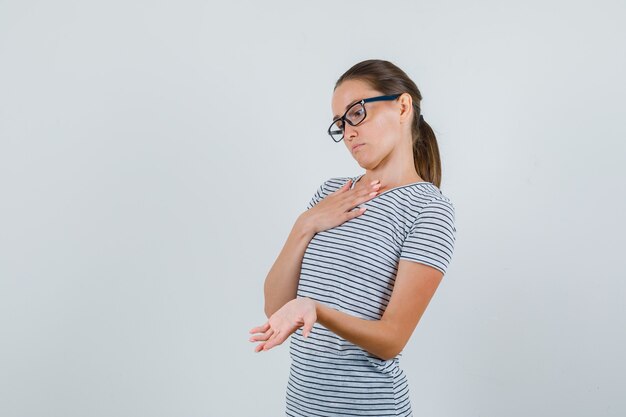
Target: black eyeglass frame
<point x="361" y="103"/>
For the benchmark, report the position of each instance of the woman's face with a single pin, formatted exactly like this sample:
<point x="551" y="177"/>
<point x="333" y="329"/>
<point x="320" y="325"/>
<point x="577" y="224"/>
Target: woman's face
<point x="374" y="139"/>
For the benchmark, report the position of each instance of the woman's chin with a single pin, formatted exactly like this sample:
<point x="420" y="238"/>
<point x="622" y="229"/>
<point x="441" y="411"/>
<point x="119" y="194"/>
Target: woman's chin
<point x="359" y="161"/>
<point x="365" y="160"/>
<point x="364" y="164"/>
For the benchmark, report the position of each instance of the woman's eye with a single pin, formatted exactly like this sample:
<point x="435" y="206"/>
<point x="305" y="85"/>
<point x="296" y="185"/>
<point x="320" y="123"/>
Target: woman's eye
<point x="355" y="114"/>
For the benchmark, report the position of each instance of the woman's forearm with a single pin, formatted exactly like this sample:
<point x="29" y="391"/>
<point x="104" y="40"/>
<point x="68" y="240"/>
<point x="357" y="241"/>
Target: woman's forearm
<point x="378" y="337"/>
<point x="281" y="283"/>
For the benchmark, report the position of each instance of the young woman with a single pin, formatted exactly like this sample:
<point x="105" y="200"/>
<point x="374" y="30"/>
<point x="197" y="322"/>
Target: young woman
<point x="363" y="261"/>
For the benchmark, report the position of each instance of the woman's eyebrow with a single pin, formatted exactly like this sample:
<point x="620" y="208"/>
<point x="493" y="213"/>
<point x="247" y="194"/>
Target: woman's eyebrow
<point x="348" y="106"/>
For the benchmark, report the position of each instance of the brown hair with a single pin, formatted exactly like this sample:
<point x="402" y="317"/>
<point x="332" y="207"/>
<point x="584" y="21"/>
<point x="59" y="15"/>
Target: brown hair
<point x="389" y="79"/>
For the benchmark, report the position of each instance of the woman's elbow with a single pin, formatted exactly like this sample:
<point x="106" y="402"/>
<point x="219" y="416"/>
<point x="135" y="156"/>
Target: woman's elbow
<point x="390" y="354"/>
<point x="391" y="351"/>
<point x="271" y="308"/>
<point x="269" y="311"/>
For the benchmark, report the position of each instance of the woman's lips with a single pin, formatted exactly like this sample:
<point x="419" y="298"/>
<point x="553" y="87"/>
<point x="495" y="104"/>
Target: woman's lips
<point x="355" y="147"/>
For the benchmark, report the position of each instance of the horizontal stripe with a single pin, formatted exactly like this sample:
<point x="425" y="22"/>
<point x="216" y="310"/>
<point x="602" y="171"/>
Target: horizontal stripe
<point x="352" y="268"/>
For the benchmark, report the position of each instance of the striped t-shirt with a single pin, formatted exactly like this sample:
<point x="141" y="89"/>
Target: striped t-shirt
<point x="352" y="268"/>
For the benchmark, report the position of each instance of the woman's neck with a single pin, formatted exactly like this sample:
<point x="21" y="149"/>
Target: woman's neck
<point x="388" y="180"/>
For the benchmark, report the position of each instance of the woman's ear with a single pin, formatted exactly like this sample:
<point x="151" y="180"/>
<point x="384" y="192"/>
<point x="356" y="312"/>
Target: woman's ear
<point x="406" y="107"/>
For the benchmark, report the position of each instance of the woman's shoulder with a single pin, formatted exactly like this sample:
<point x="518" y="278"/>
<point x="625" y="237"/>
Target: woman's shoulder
<point x="434" y="193"/>
<point x="431" y="195"/>
<point x="415" y="199"/>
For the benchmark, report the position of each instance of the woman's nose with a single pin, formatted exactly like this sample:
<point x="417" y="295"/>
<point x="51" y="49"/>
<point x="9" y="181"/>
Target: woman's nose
<point x="349" y="131"/>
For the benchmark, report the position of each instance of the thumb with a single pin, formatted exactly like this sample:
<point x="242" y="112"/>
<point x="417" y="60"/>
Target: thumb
<point x="308" y="326"/>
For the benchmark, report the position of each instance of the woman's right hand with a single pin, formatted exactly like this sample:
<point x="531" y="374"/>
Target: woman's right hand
<point x="338" y="206"/>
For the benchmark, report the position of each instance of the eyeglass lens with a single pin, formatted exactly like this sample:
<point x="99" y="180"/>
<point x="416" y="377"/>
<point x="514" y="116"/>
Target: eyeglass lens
<point x="354" y="116"/>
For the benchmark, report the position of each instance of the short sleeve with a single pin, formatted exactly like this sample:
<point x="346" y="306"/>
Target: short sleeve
<point x="317" y="197"/>
<point x="432" y="237"/>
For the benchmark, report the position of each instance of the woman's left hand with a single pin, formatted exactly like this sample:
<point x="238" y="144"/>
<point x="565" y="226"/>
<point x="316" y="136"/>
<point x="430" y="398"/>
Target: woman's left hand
<point x="299" y="312"/>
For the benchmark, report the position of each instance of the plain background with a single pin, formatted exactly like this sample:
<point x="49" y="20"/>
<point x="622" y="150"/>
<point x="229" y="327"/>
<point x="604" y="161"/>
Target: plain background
<point x="154" y="156"/>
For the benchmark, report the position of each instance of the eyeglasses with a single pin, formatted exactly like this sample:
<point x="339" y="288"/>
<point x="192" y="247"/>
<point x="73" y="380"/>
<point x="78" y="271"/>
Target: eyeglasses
<point x="354" y="115"/>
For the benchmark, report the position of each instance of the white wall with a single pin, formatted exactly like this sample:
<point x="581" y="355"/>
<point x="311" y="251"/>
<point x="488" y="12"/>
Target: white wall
<point x="154" y="155"/>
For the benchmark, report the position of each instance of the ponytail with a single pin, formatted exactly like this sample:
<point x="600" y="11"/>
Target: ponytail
<point x="425" y="150"/>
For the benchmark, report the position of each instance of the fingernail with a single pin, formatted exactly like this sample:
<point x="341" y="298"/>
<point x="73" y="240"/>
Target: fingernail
<point x="373" y="193"/>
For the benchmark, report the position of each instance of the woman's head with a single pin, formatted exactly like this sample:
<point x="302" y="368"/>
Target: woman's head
<point x="390" y="121"/>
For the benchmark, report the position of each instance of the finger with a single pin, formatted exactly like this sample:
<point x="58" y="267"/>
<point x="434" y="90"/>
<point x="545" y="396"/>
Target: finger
<point x="275" y="341"/>
<point x="374" y="185"/>
<point x="354" y="213"/>
<point x="260" y="329"/>
<point x="368" y="195"/>
<point x="306" y="329"/>
<point x="309" y="321"/>
<point x="344" y="187"/>
<point x="271" y="341"/>
<point x="351" y="201"/>
<point x="366" y="191"/>
<point x="348" y="204"/>
<point x="275" y="332"/>
<point x="259" y="347"/>
<point x="261" y="337"/>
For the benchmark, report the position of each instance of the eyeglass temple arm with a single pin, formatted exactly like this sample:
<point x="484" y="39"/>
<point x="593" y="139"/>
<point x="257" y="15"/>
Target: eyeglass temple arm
<point x="381" y="98"/>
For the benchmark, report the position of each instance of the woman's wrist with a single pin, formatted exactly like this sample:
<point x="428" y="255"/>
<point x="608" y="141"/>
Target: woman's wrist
<point x="304" y="226"/>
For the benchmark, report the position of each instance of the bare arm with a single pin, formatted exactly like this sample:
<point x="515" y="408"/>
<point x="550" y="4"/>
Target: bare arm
<point x="385" y="338"/>
<point x="281" y="283"/>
